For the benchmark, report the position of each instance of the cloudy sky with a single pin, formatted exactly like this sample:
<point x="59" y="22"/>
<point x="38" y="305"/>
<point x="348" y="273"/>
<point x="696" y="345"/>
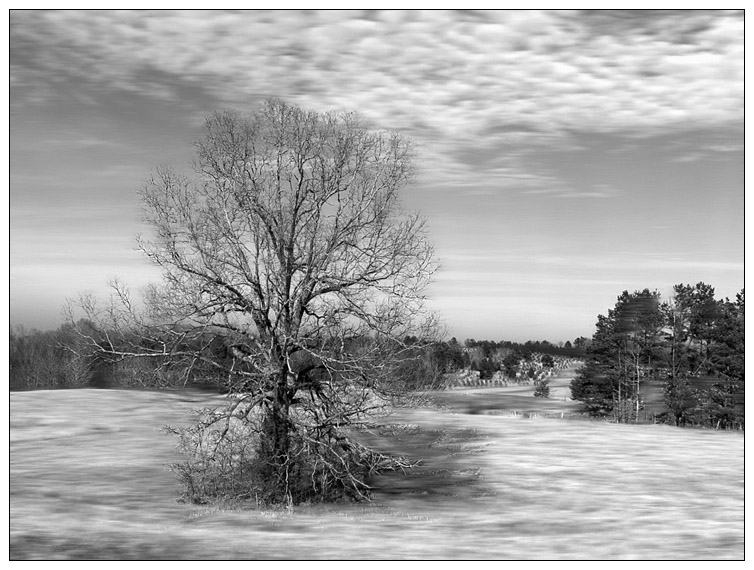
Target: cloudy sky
<point x="564" y="156"/>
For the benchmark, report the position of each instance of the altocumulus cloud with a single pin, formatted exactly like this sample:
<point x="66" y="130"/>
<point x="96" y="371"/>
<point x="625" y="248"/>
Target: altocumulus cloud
<point x="500" y="81"/>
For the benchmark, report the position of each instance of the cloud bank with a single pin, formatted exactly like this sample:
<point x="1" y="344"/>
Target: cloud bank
<point x="500" y="82"/>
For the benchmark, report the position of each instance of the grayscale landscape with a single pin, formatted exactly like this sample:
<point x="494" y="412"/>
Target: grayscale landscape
<point x="330" y="285"/>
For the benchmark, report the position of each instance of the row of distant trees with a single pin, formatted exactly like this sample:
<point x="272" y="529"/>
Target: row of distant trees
<point x="431" y="361"/>
<point x="690" y="346"/>
<point x="513" y="358"/>
<point x="62" y="358"/>
<point x="566" y="349"/>
<point x="39" y="360"/>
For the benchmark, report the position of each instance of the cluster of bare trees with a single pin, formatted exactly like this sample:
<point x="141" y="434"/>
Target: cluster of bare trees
<point x="42" y="360"/>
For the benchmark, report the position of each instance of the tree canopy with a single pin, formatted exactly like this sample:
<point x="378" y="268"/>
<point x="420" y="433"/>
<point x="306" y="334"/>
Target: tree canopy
<point x="691" y="344"/>
<point x="291" y="271"/>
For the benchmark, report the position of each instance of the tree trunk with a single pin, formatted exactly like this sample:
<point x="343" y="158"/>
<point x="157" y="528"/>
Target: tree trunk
<point x="275" y="444"/>
<point x="638" y="388"/>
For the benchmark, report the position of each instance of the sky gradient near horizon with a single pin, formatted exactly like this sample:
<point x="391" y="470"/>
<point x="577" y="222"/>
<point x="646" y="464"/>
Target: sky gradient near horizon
<point x="565" y="156"/>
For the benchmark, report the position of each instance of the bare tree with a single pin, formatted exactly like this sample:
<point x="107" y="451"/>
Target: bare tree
<point x="290" y="271"/>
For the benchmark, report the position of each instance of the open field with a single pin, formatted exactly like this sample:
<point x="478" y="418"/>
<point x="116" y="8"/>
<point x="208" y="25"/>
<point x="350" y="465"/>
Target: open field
<point x="87" y="480"/>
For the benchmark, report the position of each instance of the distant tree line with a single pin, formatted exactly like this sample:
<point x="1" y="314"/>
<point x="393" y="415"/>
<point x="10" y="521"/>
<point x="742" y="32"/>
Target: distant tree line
<point x="514" y="359"/>
<point x="689" y="349"/>
<point x="39" y="360"/>
<point x="432" y="361"/>
<point x="568" y="349"/>
<point x="61" y="359"/>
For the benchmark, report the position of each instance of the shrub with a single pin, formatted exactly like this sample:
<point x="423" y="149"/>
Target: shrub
<point x="229" y="459"/>
<point x="542" y="389"/>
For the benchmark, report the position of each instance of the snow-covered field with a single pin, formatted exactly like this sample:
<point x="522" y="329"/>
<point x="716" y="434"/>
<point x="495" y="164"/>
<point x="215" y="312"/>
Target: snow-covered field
<point x="87" y="481"/>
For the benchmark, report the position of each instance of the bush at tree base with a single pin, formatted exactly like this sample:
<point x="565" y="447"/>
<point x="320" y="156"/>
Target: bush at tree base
<point x="229" y="458"/>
